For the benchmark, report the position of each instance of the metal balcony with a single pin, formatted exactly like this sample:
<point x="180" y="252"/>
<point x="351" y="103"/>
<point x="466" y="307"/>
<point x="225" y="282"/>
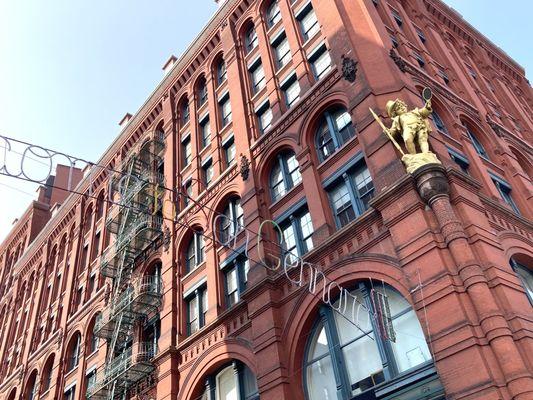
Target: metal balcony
<point x="113" y="258"/>
<point x="124" y="370"/>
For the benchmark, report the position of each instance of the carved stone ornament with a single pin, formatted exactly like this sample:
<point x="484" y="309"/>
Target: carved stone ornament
<point x="494" y="126"/>
<point x="400" y="63"/>
<point x="166" y="238"/>
<point x="245" y="167"/>
<point x="349" y="68"/>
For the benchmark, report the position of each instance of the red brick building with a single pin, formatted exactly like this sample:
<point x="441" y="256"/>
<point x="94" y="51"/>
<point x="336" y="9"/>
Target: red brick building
<point x="166" y="283"/>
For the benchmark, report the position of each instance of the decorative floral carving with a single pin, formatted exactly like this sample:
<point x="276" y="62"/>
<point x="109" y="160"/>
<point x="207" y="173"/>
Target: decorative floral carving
<point x="349" y="68"/>
<point x="245" y="167"/>
<point x="400" y="63"/>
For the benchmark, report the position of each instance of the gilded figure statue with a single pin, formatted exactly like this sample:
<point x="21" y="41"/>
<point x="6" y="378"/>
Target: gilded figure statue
<point x="414" y="128"/>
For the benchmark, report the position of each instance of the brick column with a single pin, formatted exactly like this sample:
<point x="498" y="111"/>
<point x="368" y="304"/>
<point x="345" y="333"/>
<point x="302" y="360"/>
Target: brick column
<point x="432" y="185"/>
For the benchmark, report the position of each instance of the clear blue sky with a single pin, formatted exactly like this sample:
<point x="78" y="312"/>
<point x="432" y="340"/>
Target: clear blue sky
<point x="69" y="70"/>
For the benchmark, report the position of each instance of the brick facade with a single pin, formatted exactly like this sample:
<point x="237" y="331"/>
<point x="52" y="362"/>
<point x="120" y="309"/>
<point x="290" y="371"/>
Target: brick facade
<point x="268" y="86"/>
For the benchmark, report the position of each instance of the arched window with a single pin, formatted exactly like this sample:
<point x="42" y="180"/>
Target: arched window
<point x="526" y="277"/>
<point x="221" y="70"/>
<point x="439" y="123"/>
<point x="232" y="221"/>
<point x="477" y="144"/>
<point x="250" y="39"/>
<point x="273" y="14"/>
<point x="73" y="352"/>
<point x="285" y="175"/>
<point x="202" y="92"/>
<point x="31" y="387"/>
<point x="88" y="219"/>
<point x="46" y="380"/>
<point x="100" y="206"/>
<point x="92" y="339"/>
<point x="235" y="381"/>
<point x="184" y="111"/>
<point x="195" y="251"/>
<point x="386" y="341"/>
<point x="335" y="128"/>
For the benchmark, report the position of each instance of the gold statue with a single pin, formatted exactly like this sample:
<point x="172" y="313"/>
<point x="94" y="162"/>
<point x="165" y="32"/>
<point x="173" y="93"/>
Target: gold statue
<point x="413" y="126"/>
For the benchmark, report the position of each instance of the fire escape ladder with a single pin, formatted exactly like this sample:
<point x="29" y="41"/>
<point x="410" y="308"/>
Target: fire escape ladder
<point x="135" y="226"/>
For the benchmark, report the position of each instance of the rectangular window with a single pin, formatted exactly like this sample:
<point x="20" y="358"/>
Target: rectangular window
<point x="186" y="151"/>
<point x="187" y="191"/>
<point x="282" y="51"/>
<point x="505" y="192"/>
<point x="225" y="111"/>
<point x="471" y="71"/>
<point x="297" y="232"/>
<point x="419" y="59"/>
<point x="396" y="15"/>
<point x="205" y="130"/>
<point x="196" y="310"/>
<point x="236" y="276"/>
<point x="229" y="151"/>
<point x="477" y="145"/>
<point x="84" y="254"/>
<point x="264" y="118"/>
<point x="320" y="62"/>
<point x="257" y="75"/>
<point x="96" y="246"/>
<point x="308" y="22"/>
<point x="91" y="378"/>
<point x="207" y="172"/>
<point x="421" y="35"/>
<point x="349" y="195"/>
<point x="291" y="90"/>
<point x="444" y="77"/>
<point x="394" y="41"/>
<point x="70" y="394"/>
<point x="461" y="161"/>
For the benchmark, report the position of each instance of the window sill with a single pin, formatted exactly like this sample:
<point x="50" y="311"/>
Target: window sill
<point x="421" y="375"/>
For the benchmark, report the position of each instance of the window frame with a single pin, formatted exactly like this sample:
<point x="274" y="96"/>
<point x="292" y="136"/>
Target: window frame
<point x="301" y="15"/>
<point x="240" y="265"/>
<point x="224" y="104"/>
<point x="272" y="14"/>
<point x="200" y="296"/>
<point x="334" y="133"/>
<point x="316" y="55"/>
<point x="227" y="145"/>
<point x="279" y="42"/>
<point x="205" y="127"/>
<point x="262" y="111"/>
<point x="516" y="266"/>
<point x="504" y="189"/>
<point x="257" y="85"/>
<point x="286" y="174"/>
<point x="250" y="39"/>
<point x="346" y="178"/>
<point x="391" y="372"/>
<point x="197" y="244"/>
<point x="294" y="220"/>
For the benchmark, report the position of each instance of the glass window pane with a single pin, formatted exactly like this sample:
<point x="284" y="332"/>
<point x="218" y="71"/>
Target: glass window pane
<point x="410" y="348"/>
<point x="226" y="387"/>
<point x="363" y="364"/>
<point x="276" y="182"/>
<point x="309" y="24"/>
<point x="322" y="64"/>
<point x="321" y="380"/>
<point x="249" y="383"/>
<point x="526" y="276"/>
<point x="319" y="345"/>
<point x="294" y="169"/>
<point x="306" y="226"/>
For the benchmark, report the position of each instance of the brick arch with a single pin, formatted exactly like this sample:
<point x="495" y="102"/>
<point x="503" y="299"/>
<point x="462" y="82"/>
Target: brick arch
<point x="30" y="382"/>
<point x="213" y="358"/>
<point x="516" y="245"/>
<point x="522" y="160"/>
<point x="245" y="22"/>
<point x="12" y="395"/>
<point x="309" y="125"/>
<point x="346" y="272"/>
